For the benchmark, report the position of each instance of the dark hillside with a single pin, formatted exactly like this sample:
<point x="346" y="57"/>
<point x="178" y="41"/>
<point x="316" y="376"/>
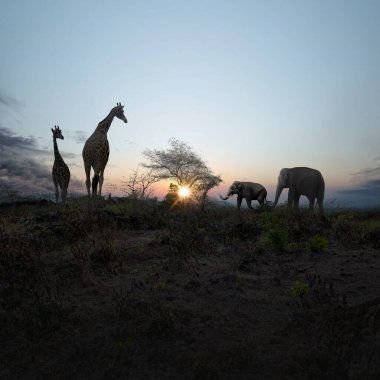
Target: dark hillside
<point x="134" y="290"/>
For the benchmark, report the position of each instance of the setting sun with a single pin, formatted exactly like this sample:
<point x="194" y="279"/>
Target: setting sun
<point x="184" y="192"/>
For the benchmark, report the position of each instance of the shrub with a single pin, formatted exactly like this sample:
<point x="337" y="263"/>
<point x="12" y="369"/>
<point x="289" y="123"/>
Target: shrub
<point x="278" y="238"/>
<point x="370" y="232"/>
<point x="300" y="289"/>
<point x="318" y="243"/>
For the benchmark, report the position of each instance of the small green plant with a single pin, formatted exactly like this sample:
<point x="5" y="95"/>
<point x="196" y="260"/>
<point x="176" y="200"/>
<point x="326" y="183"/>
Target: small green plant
<point x="278" y="238"/>
<point x="161" y="285"/>
<point x="370" y="232"/>
<point x="300" y="290"/>
<point x="318" y="243"/>
<point x="372" y="225"/>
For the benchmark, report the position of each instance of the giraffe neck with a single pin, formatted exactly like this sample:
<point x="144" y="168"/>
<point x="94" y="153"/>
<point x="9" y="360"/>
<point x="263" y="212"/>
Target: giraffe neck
<point x="105" y="124"/>
<point x="57" y="155"/>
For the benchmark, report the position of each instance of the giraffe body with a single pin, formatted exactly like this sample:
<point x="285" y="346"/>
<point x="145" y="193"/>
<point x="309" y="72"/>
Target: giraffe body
<point x="60" y="172"/>
<point x="96" y="150"/>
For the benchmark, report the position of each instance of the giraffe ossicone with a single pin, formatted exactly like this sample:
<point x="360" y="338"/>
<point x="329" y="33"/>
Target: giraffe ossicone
<point x="60" y="172"/>
<point x="96" y="150"/>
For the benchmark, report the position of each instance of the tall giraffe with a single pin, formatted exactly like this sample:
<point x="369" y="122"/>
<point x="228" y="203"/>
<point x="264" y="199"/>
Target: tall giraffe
<point x="96" y="150"/>
<point x="60" y="172"/>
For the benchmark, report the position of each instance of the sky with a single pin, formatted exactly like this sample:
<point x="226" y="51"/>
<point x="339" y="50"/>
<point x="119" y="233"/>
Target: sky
<point x="251" y="86"/>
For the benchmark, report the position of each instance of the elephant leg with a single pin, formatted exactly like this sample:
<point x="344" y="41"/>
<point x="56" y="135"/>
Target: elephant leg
<point x="248" y="201"/>
<point x="320" y="205"/>
<point x="311" y="203"/>
<point x="239" y="200"/>
<point x="297" y="200"/>
<point x="291" y="196"/>
<point x="261" y="200"/>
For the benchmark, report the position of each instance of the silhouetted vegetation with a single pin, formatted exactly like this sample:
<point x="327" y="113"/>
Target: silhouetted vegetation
<point x="184" y="166"/>
<point x="131" y="288"/>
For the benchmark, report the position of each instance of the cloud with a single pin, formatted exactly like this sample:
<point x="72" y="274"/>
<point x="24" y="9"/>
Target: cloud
<point x="366" y="191"/>
<point x="80" y="137"/>
<point x="9" y="142"/>
<point x="367" y="174"/>
<point x="11" y="103"/>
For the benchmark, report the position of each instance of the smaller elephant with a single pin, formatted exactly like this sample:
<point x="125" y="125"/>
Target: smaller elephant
<point x="301" y="181"/>
<point x="248" y="190"/>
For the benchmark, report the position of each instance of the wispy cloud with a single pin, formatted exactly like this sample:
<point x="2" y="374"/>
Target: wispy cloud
<point x="367" y="173"/>
<point x="13" y="144"/>
<point x="368" y="180"/>
<point x="79" y="137"/>
<point x="366" y="189"/>
<point x="11" y="103"/>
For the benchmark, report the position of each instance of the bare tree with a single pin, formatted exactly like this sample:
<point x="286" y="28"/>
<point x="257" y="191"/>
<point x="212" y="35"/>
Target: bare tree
<point x="182" y="165"/>
<point x="139" y="184"/>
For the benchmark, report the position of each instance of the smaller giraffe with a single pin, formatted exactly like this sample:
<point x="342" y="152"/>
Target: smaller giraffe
<point x="60" y="172"/>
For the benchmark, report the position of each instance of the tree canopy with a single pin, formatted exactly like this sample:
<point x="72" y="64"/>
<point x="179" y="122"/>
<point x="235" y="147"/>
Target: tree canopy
<point x="184" y="166"/>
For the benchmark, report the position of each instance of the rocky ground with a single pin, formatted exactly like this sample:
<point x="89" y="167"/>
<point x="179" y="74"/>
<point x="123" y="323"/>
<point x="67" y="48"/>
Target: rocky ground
<point x="126" y="290"/>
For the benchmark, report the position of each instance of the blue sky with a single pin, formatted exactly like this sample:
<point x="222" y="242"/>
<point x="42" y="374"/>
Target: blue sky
<point x="252" y="86"/>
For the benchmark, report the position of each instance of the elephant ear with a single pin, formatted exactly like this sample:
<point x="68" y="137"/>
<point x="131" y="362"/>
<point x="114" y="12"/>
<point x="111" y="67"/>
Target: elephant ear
<point x="239" y="188"/>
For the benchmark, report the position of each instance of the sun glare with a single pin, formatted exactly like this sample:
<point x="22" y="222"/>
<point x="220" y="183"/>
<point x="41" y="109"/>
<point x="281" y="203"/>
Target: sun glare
<point x="184" y="192"/>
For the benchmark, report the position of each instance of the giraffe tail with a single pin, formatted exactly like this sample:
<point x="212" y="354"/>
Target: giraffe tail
<point x="95" y="182"/>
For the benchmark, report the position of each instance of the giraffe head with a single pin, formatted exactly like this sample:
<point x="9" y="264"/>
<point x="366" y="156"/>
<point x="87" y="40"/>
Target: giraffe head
<point x="57" y="133"/>
<point x="119" y="112"/>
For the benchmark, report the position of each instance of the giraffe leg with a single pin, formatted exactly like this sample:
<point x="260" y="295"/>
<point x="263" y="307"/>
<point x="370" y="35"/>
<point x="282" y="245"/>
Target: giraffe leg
<point x="87" y="169"/>
<point x="66" y="186"/>
<point x="95" y="181"/>
<point x="101" y="180"/>
<point x="64" y="193"/>
<point x="56" y="190"/>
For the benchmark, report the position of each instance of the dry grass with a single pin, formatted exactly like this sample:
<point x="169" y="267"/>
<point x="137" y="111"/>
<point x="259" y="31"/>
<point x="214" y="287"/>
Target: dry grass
<point x="100" y="289"/>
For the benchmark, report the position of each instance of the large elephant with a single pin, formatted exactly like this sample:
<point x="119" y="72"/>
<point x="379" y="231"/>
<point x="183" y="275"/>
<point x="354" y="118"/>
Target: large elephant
<point x="248" y="190"/>
<point x="301" y="181"/>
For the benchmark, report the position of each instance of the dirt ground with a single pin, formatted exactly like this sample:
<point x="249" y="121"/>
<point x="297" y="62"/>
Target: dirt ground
<point x="119" y="295"/>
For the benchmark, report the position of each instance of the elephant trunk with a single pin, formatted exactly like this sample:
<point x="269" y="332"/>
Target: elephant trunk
<point x="278" y="193"/>
<point x="225" y="198"/>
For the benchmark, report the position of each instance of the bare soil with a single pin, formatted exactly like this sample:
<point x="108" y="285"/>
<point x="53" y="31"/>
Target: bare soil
<point x="116" y="292"/>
